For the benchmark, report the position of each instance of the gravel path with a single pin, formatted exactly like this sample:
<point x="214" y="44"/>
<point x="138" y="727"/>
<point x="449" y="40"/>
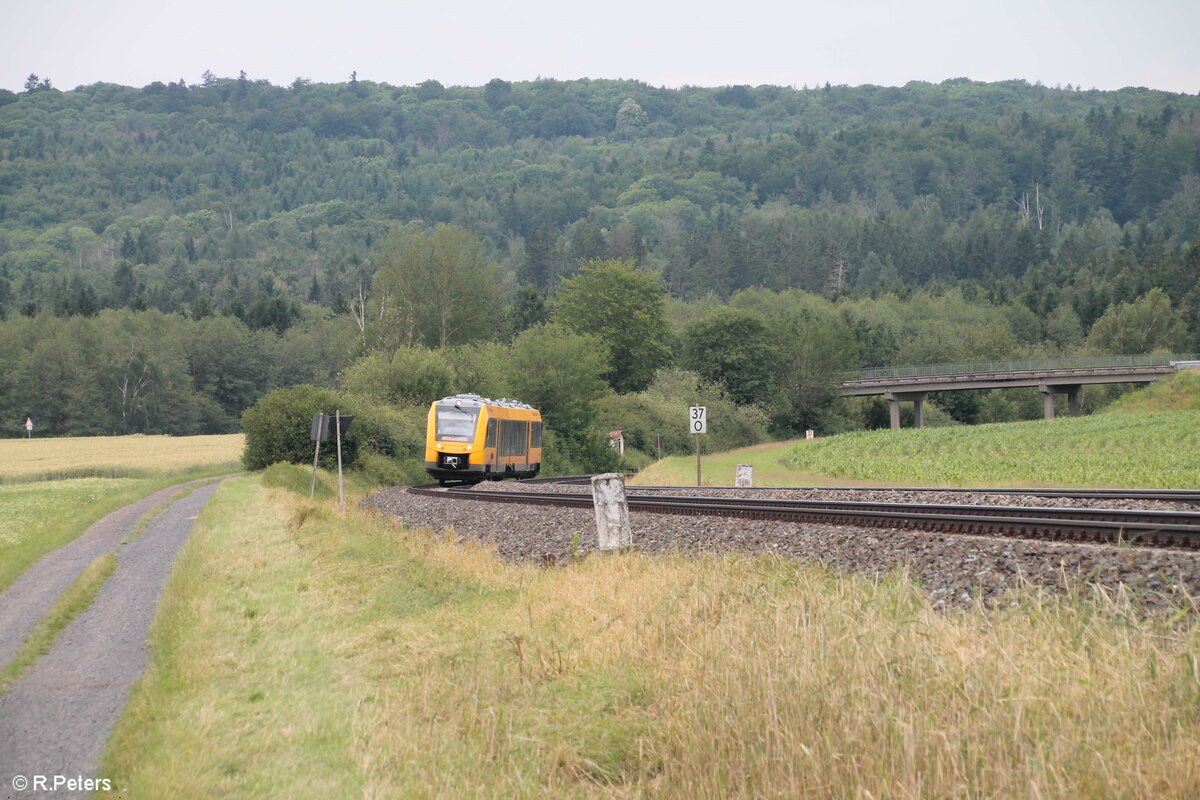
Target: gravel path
<point x="30" y="596"/>
<point x="954" y="569"/>
<point x="57" y="717"/>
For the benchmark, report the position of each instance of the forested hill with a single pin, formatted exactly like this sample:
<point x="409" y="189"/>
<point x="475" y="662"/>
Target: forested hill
<point x="213" y="198"/>
<point x="169" y="254"/>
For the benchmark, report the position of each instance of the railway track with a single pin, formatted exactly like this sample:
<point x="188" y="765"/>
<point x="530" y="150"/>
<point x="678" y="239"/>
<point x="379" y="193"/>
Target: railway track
<point x="1165" y="495"/>
<point x="1176" y="529"/>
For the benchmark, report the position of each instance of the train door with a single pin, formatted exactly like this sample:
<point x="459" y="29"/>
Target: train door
<point x="489" y="446"/>
<point x="524" y="431"/>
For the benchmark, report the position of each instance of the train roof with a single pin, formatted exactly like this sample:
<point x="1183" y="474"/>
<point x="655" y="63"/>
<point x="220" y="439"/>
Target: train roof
<point x="474" y="400"/>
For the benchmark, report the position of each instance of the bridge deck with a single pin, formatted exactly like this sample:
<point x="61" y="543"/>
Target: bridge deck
<point x="1064" y="376"/>
<point x="1005" y="379"/>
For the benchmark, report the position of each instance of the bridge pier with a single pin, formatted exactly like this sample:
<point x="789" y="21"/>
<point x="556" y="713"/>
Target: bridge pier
<point x="918" y="401"/>
<point x="1070" y="390"/>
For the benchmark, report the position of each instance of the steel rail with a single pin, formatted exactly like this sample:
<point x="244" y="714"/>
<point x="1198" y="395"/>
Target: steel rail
<point x="1160" y="528"/>
<point x="1165" y="495"/>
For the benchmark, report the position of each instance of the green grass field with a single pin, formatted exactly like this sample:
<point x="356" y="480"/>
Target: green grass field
<point x="718" y="469"/>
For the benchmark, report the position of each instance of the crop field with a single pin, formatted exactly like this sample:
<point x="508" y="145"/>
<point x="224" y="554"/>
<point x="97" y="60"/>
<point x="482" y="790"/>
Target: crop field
<point x="1156" y="450"/>
<point x="301" y="650"/>
<point x="1159" y="450"/>
<point x="114" y="456"/>
<point x="52" y="489"/>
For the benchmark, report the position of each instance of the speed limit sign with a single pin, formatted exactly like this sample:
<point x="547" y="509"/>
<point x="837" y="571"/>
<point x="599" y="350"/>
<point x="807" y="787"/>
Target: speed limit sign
<point x="699" y="419"/>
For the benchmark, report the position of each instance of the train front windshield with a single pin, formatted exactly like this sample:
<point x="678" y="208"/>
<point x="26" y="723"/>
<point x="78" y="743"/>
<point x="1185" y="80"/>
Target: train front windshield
<point x="455" y="424"/>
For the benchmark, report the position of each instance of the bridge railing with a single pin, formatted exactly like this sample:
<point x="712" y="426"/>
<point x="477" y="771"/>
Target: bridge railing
<point x="1017" y="365"/>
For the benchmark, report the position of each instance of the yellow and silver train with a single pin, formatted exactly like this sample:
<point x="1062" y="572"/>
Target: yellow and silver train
<point x="471" y="438"/>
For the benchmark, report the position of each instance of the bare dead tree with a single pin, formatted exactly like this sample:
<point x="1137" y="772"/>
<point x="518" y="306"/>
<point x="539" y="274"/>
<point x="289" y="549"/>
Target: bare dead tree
<point x="131" y="390"/>
<point x="837" y="277"/>
<point x="1028" y="213"/>
<point x="1023" y="209"/>
<point x="358" y="309"/>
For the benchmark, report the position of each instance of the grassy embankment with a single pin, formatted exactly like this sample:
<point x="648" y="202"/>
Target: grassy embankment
<point x="51" y="490"/>
<point x="301" y="651"/>
<point x="1157" y="449"/>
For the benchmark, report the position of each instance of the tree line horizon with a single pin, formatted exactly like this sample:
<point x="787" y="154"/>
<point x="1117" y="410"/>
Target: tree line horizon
<point x="929" y="223"/>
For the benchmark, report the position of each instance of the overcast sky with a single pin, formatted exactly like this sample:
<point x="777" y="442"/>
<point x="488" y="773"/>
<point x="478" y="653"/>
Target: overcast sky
<point x="1104" y="44"/>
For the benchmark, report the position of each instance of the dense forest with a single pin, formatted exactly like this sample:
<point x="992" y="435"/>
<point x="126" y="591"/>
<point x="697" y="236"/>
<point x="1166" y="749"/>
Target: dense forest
<point x="169" y="254"/>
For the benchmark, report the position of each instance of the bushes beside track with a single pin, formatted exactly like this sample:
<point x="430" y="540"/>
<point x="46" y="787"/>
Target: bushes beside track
<point x="385" y="441"/>
<point x="387" y="438"/>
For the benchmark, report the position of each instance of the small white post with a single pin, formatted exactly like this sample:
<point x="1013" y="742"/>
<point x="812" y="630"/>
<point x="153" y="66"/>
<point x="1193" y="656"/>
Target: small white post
<point x="337" y="415"/>
<point x="612" y="512"/>
<point x="744" y="476"/>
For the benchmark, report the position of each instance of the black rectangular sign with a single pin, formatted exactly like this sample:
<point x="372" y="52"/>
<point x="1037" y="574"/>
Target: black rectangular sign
<point x="322" y="426"/>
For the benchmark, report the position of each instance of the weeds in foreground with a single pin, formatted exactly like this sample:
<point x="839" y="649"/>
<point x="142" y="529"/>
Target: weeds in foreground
<point x="401" y="663"/>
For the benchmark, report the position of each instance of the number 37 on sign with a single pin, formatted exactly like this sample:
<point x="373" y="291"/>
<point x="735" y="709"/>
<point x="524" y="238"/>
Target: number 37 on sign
<point x="699" y="419"/>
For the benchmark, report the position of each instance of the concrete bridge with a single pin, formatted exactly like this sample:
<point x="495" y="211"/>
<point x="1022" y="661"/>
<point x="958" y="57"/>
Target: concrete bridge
<point x="1050" y="376"/>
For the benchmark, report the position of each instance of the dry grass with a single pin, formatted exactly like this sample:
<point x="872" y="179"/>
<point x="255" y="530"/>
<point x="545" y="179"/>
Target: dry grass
<point x="23" y="460"/>
<point x="340" y="650"/>
<point x="241" y="699"/>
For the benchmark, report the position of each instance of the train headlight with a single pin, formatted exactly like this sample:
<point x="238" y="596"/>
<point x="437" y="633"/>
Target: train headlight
<point x="439" y="446"/>
<point x="468" y="448"/>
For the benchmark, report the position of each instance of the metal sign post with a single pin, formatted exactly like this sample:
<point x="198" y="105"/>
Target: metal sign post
<point x="698" y="424"/>
<point x="320" y="430"/>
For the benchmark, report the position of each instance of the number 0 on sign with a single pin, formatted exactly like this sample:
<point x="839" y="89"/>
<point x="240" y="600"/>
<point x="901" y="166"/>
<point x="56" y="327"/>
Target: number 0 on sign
<point x="699" y="419"/>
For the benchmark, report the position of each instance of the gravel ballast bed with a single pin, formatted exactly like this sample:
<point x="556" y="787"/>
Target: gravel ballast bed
<point x="980" y="498"/>
<point x="954" y="569"/>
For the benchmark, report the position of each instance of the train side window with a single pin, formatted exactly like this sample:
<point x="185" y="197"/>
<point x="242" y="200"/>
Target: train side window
<point x="536" y="439"/>
<point x="491" y="434"/>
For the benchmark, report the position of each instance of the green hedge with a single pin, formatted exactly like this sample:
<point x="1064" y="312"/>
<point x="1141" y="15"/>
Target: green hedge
<point x="279" y="425"/>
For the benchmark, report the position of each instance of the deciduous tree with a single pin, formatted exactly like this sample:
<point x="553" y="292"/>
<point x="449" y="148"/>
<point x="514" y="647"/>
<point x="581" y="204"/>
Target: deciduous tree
<point x="624" y="307"/>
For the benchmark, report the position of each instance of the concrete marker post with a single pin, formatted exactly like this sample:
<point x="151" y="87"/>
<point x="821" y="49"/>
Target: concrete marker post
<point x="613" y="532"/>
<point x="744" y="476"/>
